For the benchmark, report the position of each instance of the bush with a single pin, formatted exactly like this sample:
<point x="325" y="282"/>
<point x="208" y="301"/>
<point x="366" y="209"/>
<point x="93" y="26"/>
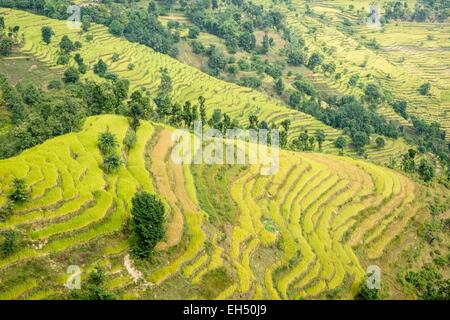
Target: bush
<point x="10" y="243"/>
<point x="111" y="162"/>
<point x="379" y="142"/>
<point x="425" y="88"/>
<point x="107" y="143"/>
<point x="116" y="28"/>
<point x="19" y="192"/>
<point x="193" y="32"/>
<point x="63" y="59"/>
<point x="251" y="82"/>
<point x="367" y="294"/>
<point x="130" y="139"/>
<point x="100" y="68"/>
<point x="55" y="84"/>
<point x="6" y="211"/>
<point x="197" y="47"/>
<point x="147" y="218"/>
<point x="71" y="75"/>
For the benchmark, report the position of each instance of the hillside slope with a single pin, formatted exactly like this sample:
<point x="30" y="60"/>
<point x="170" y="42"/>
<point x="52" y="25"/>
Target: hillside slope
<point x="231" y="233"/>
<point x="188" y="82"/>
<point x="409" y="55"/>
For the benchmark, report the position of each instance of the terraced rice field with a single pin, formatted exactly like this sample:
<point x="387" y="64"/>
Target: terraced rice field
<point x="188" y="82"/>
<point x="287" y="236"/>
<point x="406" y="58"/>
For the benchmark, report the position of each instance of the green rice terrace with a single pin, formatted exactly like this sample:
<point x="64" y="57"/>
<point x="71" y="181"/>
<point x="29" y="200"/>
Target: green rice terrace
<point x="409" y="54"/>
<point x="95" y="206"/>
<point x="304" y="232"/>
<point x="188" y="82"/>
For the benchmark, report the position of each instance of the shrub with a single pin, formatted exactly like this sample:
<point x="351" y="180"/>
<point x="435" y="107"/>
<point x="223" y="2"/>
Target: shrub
<point x="107" y="143"/>
<point x="379" y="142"/>
<point x="55" y="84"/>
<point x="193" y="33"/>
<point x="71" y="75"/>
<point x="100" y="68"/>
<point x="116" y="28"/>
<point x="425" y="88"/>
<point x="10" y="243"/>
<point x="130" y="139"/>
<point x="19" y="192"/>
<point x="63" y="59"/>
<point x="111" y="162"/>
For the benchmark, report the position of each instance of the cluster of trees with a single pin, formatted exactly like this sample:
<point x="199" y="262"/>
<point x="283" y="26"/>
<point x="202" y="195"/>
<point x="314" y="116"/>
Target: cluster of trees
<point x="306" y="142"/>
<point x="10" y="244"/>
<point x="236" y="23"/>
<point x="137" y="25"/>
<point x="425" y="170"/>
<point x="346" y="113"/>
<point x="108" y="146"/>
<point x="121" y="17"/>
<point x="9" y="37"/>
<point x="18" y="195"/>
<point x="37" y="115"/>
<point x="424" y="10"/>
<point x="428" y="283"/>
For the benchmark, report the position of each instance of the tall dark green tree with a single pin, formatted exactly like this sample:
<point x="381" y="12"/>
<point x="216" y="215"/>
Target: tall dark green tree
<point x="47" y="34"/>
<point x="147" y="219"/>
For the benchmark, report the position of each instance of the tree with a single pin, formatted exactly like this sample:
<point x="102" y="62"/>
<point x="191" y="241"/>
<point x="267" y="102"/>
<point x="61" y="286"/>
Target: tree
<point x="71" y="75"/>
<point x="6" y="45"/>
<point x="86" y="22"/>
<point x="373" y="93"/>
<point x="116" y="28"/>
<point x="315" y="60"/>
<point x="399" y="107"/>
<point x="111" y="162"/>
<point x="107" y="142"/>
<point x="265" y="44"/>
<point x="408" y="164"/>
<point x="296" y="58"/>
<point x="365" y="293"/>
<point x="380" y="142"/>
<point x="201" y="101"/>
<point x="165" y="87"/>
<point x="279" y="86"/>
<point x="10" y="243"/>
<point x="320" y="137"/>
<point x="147" y="220"/>
<point x="19" y="193"/>
<point x="193" y="33"/>
<point x="247" y="41"/>
<point x="426" y="170"/>
<point x="66" y="44"/>
<point x="100" y="68"/>
<point x="359" y="140"/>
<point x="47" y="33"/>
<point x="93" y="288"/>
<point x="425" y="88"/>
<point x="340" y="142"/>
